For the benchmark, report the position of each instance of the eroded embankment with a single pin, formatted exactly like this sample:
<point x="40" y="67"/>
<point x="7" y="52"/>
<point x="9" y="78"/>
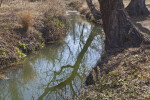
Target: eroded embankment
<point x="121" y="74"/>
<point x="26" y="26"/>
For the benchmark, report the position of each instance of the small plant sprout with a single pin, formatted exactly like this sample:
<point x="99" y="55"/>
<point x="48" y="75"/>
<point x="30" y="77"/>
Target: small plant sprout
<point x="23" y="46"/>
<point x="21" y="55"/>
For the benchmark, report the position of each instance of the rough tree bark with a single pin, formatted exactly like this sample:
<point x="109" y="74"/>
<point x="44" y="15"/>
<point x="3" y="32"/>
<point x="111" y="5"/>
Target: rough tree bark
<point x="119" y="30"/>
<point x="1" y="2"/>
<point x="94" y="11"/>
<point x="137" y="8"/>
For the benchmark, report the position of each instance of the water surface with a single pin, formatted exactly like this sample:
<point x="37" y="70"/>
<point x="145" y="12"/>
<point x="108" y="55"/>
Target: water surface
<point x="57" y="72"/>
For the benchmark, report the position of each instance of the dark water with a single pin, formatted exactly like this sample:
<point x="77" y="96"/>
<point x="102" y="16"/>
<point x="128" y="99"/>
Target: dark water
<point x="58" y="71"/>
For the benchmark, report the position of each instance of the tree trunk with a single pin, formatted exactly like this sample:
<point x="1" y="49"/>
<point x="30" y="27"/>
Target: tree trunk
<point x="119" y="30"/>
<point x="94" y="11"/>
<point x="137" y="8"/>
<point x="1" y="2"/>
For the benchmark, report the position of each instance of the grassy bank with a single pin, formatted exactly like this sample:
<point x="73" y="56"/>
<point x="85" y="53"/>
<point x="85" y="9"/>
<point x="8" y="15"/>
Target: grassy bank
<point x="121" y="74"/>
<point x="26" y="26"/>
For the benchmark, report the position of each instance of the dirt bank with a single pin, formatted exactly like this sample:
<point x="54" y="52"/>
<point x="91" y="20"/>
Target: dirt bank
<point x="26" y="26"/>
<point x="82" y="7"/>
<point x="122" y="73"/>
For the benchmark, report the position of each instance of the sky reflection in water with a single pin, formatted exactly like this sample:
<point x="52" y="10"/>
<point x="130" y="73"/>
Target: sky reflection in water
<point x="57" y="72"/>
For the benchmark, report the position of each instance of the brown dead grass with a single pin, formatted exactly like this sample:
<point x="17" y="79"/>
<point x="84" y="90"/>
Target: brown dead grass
<point x="83" y="10"/>
<point x="30" y="14"/>
<point x="26" y="19"/>
<point x="126" y="76"/>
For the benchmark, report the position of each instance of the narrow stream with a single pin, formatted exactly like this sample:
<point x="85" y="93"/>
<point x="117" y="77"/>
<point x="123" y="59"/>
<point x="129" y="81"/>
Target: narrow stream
<point x="58" y="71"/>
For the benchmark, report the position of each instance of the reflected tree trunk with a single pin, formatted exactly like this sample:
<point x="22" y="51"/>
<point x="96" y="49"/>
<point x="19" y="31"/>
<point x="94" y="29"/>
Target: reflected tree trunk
<point x="94" y="11"/>
<point x="137" y="8"/>
<point x="75" y="67"/>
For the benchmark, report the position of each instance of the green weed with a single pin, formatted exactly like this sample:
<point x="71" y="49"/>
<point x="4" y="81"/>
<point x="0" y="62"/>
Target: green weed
<point x="41" y="44"/>
<point x="23" y="46"/>
<point x="58" y="22"/>
<point x="21" y="55"/>
<point x="3" y="52"/>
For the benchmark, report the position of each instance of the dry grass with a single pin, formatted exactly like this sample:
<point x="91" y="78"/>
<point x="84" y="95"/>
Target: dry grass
<point x="84" y="10"/>
<point x="54" y="21"/>
<point x="29" y="14"/>
<point x="56" y="7"/>
<point x="84" y="7"/>
<point x="26" y="19"/>
<point x="129" y="79"/>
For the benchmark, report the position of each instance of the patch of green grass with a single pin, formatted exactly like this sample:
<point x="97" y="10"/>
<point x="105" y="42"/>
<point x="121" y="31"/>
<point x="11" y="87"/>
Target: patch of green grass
<point x="23" y="46"/>
<point x="53" y="21"/>
<point x="3" y="52"/>
<point x="21" y="55"/>
<point x="58" y="22"/>
<point x="42" y="44"/>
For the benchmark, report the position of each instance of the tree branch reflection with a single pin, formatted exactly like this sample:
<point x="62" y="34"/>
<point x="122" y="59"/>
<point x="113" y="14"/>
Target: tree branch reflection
<point x="75" y="69"/>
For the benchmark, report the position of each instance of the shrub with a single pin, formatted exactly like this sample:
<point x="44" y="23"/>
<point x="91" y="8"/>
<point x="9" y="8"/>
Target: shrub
<point x="56" y="8"/>
<point x="83" y="10"/>
<point x="54" y="21"/>
<point x="26" y="19"/>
